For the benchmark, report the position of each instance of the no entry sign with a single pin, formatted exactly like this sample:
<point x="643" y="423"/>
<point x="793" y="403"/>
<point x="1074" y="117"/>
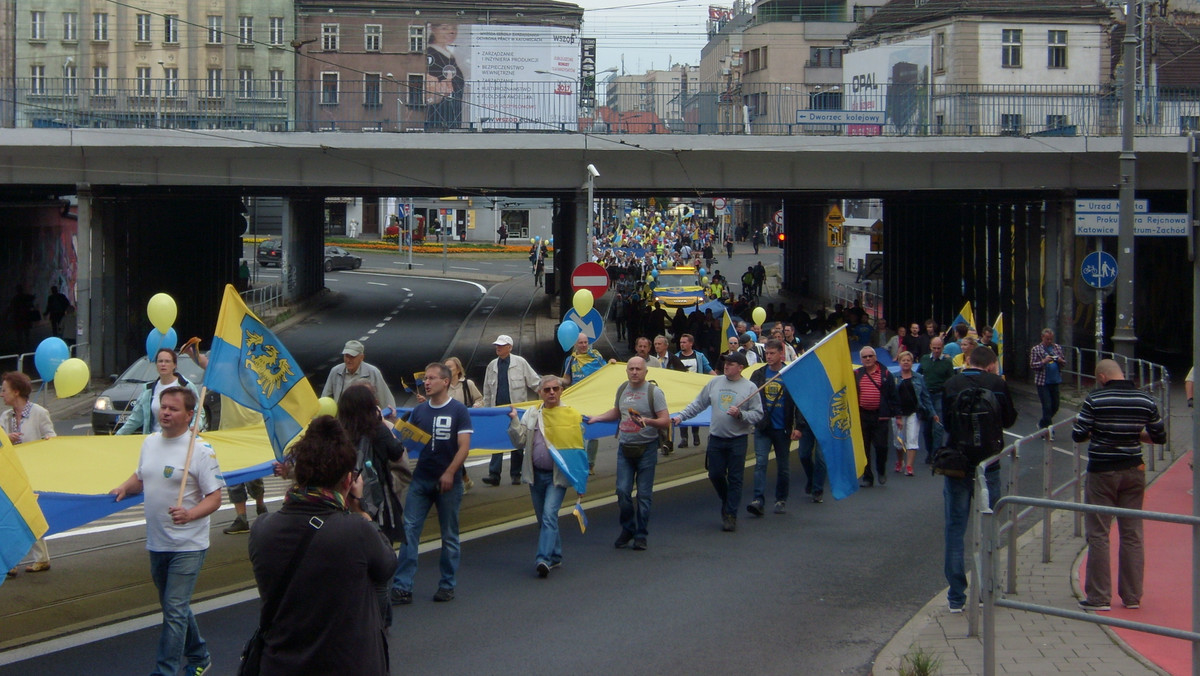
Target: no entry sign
<point x="590" y="276"/>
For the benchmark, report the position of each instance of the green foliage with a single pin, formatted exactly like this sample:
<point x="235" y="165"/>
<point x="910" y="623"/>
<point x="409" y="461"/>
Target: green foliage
<point x="920" y="663"/>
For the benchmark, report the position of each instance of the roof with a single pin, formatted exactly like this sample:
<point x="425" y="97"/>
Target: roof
<point x="899" y="16"/>
<point x="1177" y="52"/>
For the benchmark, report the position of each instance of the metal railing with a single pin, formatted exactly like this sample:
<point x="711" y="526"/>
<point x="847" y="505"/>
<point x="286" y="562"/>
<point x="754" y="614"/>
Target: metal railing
<point x="262" y="298"/>
<point x="848" y="295"/>
<point x="991" y="602"/>
<point x="352" y="105"/>
<point x="1155" y="379"/>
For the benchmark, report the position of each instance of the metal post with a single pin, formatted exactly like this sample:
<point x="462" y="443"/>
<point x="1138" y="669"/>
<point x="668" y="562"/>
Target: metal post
<point x="1124" y="336"/>
<point x="591" y="203"/>
<point x="1194" y="214"/>
<point x="410" y="234"/>
<point x="988" y="588"/>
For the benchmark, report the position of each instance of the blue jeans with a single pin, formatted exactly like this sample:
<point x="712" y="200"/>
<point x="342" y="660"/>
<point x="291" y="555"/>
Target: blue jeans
<point x="174" y="575"/>
<point x="813" y="462"/>
<point x="635" y="519"/>
<point x="547" y="500"/>
<point x="496" y="464"/>
<point x="726" y="458"/>
<point x="933" y="433"/>
<point x="957" y="495"/>
<point x="1048" y="394"/>
<point x="422" y="494"/>
<point x="764" y="441"/>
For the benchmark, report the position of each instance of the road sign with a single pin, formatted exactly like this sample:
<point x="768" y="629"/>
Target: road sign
<point x="590" y="325"/>
<point x="1144" y="225"/>
<point x="402" y="210"/>
<point x="840" y="117"/>
<point x="778" y="217"/>
<point x="590" y="276"/>
<point x="719" y="203"/>
<point x="1099" y="269"/>
<point x="834" y="218"/>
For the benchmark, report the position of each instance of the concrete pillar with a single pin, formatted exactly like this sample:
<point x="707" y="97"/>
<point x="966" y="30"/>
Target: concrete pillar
<point x="85" y="283"/>
<point x="1052" y="276"/>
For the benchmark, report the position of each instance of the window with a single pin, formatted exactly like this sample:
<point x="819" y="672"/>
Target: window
<point x="100" y="27"/>
<point x="246" y="83"/>
<point x="824" y="57"/>
<point x="416" y="38"/>
<point x="756" y="59"/>
<point x="37" y="25"/>
<point x="329" y="36"/>
<point x="372" y="96"/>
<point x="216" y="29"/>
<point x="170" y="82"/>
<point x="939" y="52"/>
<point x="214" y="89"/>
<point x="1010" y="124"/>
<point x="276" y="82"/>
<point x="416" y="87"/>
<point x="1057" y="121"/>
<point x="70" y="80"/>
<point x="245" y="30"/>
<point x="329" y="89"/>
<point x="143" y="28"/>
<point x="37" y="80"/>
<point x="100" y="80"/>
<point x="1056" y="49"/>
<point x="1010" y="48"/>
<point x="373" y="37"/>
<point x="276" y="29"/>
<point x="70" y="26"/>
<point x="171" y="28"/>
<point x="143" y="82"/>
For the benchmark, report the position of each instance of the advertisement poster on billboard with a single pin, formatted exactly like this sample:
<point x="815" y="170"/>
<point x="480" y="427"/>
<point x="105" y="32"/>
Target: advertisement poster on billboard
<point x="894" y="78"/>
<point x="487" y="76"/>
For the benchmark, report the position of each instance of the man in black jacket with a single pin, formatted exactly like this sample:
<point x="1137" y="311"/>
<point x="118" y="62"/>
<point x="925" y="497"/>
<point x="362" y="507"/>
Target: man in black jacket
<point x="877" y="403"/>
<point x="779" y="427"/>
<point x="958" y="492"/>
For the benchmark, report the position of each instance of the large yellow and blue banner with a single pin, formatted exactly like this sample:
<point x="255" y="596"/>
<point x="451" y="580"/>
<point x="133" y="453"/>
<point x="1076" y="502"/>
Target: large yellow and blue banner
<point x="821" y="382"/>
<point x="249" y="365"/>
<point x="21" y="521"/>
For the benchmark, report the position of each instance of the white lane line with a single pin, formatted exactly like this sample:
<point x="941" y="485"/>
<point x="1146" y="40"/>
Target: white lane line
<point x="372" y="332"/>
<point x="363" y="338"/>
<point x="407" y="290"/>
<point x="459" y="267"/>
<point x="388" y="318"/>
<point x="81" y="426"/>
<point x="376" y="283"/>
<point x="380" y="325"/>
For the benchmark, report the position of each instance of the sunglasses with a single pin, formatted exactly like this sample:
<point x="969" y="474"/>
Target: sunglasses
<point x="553" y="388"/>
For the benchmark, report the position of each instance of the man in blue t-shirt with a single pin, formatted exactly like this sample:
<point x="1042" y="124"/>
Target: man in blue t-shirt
<point x="437" y="480"/>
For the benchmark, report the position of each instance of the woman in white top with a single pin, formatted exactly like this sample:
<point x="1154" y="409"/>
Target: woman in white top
<point x="25" y="421"/>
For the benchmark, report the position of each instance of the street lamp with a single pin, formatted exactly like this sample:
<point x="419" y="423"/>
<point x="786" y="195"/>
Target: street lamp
<point x="66" y="66"/>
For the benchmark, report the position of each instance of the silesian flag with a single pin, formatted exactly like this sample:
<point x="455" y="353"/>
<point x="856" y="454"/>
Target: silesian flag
<point x="562" y="426"/>
<point x="249" y="365"/>
<point x="413" y="438"/>
<point x="729" y="334"/>
<point x="998" y="338"/>
<point x="965" y="316"/>
<point x="821" y="382"/>
<point x="21" y="520"/>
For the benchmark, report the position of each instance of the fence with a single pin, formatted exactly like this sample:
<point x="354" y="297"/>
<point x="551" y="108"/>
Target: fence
<point x="847" y="296"/>
<point x="21" y="361"/>
<point x="386" y="105"/>
<point x="263" y="298"/>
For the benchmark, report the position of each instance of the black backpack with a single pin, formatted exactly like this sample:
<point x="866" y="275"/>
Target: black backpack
<point x="974" y="425"/>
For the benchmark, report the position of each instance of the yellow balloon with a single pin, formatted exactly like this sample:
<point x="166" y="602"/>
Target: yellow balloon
<point x="583" y="302"/>
<point x="162" y="311"/>
<point x="759" y="315"/>
<point x="71" y="377"/>
<point x="326" y="406"/>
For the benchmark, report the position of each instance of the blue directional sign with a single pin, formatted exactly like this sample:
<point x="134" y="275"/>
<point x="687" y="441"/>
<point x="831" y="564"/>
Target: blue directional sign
<point x="1099" y="269"/>
<point x="403" y="209"/>
<point x="591" y="324"/>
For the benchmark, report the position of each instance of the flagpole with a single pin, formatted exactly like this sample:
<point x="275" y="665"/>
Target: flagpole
<point x="195" y="429"/>
<point x="789" y="365"/>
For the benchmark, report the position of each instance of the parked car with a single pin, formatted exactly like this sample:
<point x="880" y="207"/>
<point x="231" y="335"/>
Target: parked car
<point x="115" y="403"/>
<point x="270" y="252"/>
<point x="337" y="258"/>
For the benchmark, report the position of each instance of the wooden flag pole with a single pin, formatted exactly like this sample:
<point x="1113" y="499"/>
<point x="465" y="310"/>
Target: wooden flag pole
<point x="195" y="430"/>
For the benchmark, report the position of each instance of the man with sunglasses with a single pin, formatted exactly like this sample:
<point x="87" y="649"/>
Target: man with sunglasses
<point x="877" y="401"/>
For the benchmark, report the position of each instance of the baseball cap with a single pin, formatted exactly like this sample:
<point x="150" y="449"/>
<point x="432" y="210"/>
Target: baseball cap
<point x="747" y="337"/>
<point x="737" y="358"/>
<point x="353" y="348"/>
<point x="503" y="340"/>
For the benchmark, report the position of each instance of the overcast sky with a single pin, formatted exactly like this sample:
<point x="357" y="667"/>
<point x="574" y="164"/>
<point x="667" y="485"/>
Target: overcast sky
<point x="649" y="35"/>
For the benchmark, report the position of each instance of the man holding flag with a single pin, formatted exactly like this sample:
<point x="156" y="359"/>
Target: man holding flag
<point x="552" y="436"/>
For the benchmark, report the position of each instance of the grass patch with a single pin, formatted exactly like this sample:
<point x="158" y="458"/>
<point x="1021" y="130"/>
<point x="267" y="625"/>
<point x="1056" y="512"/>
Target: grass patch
<point x="920" y="663"/>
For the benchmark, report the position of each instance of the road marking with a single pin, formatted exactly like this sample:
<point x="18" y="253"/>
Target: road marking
<point x="364" y="338"/>
<point x="376" y="283"/>
<point x="372" y="332"/>
<point x="389" y="317"/>
<point x="458" y="267"/>
<point x="79" y="427"/>
<point x="382" y="324"/>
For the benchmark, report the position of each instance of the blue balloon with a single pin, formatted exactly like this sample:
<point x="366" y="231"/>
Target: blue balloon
<point x="49" y="354"/>
<point x="568" y="333"/>
<point x="654" y="273"/>
<point x="156" y="341"/>
<point x="703" y="272"/>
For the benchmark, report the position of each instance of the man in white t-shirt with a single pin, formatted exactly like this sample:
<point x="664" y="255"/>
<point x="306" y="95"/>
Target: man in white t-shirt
<point x="176" y="536"/>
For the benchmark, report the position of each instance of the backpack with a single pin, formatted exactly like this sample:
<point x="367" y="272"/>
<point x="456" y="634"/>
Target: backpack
<point x="975" y="432"/>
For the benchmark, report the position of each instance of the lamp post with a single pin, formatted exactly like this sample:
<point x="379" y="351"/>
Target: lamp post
<point x="1124" y="336"/>
<point x="592" y="173"/>
<point x="66" y="65"/>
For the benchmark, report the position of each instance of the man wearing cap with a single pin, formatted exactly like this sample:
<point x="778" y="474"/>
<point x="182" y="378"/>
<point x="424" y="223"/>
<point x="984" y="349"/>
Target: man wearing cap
<point x="509" y="379"/>
<point x="354" y="370"/>
<point x="749" y="347"/>
<point x="736" y="409"/>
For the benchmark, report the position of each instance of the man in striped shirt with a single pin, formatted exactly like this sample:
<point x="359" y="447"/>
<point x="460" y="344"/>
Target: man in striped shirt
<point x="1117" y="418"/>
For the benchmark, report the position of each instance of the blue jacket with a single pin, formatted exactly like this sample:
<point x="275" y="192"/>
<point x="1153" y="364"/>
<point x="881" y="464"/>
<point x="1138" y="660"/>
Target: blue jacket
<point x="142" y="417"/>
<point x="924" y="401"/>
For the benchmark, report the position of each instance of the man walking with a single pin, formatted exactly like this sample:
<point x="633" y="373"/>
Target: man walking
<point x="353" y="370"/>
<point x="436" y="481"/>
<point x="779" y="427"/>
<point x="641" y="408"/>
<point x="1046" y="359"/>
<point x="509" y="379"/>
<point x="176" y="535"/>
<point x="957" y="492"/>
<point x="696" y="362"/>
<point x="877" y="402"/>
<point x="937" y="369"/>
<point x="736" y="409"/>
<point x="1115" y="420"/>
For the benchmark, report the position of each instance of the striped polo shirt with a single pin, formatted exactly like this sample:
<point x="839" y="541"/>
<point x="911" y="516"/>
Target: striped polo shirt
<point x="1113" y="418"/>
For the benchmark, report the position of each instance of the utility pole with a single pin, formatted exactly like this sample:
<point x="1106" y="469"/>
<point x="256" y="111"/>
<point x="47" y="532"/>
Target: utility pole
<point x="1124" y="336"/>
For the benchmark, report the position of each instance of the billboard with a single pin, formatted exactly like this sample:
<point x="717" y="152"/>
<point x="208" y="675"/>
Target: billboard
<point x="893" y="78"/>
<point x="486" y="76"/>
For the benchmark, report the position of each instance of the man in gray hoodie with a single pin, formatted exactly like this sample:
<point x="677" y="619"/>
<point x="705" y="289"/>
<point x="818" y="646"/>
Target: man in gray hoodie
<point x="736" y="408"/>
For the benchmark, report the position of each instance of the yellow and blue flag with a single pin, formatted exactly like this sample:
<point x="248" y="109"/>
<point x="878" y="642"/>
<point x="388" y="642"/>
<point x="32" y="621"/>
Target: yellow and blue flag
<point x="249" y="365"/>
<point x="729" y="334"/>
<point x="21" y="520"/>
<point x="998" y="338"/>
<point x="413" y="438"/>
<point x="965" y="316"/>
<point x="562" y="427"/>
<point x="821" y="382"/>
<point x="577" y="510"/>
